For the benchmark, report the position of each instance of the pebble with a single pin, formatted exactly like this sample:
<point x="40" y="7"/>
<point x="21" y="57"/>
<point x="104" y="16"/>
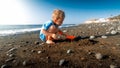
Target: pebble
<point x="69" y="51"/>
<point x="89" y="27"/>
<point x="11" y="55"/>
<point x="64" y="30"/>
<point x="82" y="59"/>
<point x="119" y="28"/>
<point x="25" y="63"/>
<point x="113" y="66"/>
<point x="39" y="52"/>
<point x="36" y="42"/>
<point x="61" y="62"/>
<point x="90" y="53"/>
<point x="49" y="46"/>
<point x="103" y="24"/>
<point x="9" y="44"/>
<point x="48" y="57"/>
<point x="114" y="48"/>
<point x="103" y="36"/>
<point x="98" y="56"/>
<point x="107" y="32"/>
<point x="92" y="37"/>
<point x="113" y="32"/>
<point x="12" y="50"/>
<point x="9" y="60"/>
<point x="117" y="44"/>
<point x="32" y="51"/>
<point x="102" y="46"/>
<point x="5" y="66"/>
<point x="112" y="28"/>
<point x="41" y="44"/>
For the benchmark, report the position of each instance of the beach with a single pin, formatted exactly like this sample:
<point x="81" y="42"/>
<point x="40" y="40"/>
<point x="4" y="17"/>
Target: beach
<point x="96" y="45"/>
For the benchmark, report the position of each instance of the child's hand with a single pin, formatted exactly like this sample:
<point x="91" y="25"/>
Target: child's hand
<point x="54" y="36"/>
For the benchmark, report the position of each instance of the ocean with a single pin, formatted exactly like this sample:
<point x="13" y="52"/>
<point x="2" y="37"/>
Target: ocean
<point x="6" y="30"/>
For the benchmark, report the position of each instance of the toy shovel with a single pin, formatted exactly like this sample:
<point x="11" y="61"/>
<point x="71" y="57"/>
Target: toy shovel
<point x="71" y="37"/>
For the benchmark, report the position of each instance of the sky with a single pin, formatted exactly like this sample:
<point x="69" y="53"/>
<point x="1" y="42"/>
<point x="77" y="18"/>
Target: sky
<point x="17" y="12"/>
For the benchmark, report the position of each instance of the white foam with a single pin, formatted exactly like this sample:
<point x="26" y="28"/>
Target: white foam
<point x="12" y="32"/>
<point x="19" y="31"/>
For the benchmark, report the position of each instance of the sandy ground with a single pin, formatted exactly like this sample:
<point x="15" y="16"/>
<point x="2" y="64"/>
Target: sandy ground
<point x="95" y="46"/>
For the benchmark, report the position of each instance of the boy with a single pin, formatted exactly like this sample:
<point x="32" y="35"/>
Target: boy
<point x="50" y="29"/>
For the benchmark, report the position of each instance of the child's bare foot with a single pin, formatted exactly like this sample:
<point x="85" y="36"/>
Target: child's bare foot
<point x="50" y="42"/>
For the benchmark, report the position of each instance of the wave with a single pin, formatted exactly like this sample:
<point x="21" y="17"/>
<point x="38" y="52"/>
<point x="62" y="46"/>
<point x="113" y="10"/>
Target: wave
<point x="18" y="31"/>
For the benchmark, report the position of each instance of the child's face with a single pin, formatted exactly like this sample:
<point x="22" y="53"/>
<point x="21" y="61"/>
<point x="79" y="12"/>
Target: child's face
<point x="59" y="21"/>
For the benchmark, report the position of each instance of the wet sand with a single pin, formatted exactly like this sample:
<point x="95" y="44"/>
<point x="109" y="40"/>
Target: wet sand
<point x="95" y="46"/>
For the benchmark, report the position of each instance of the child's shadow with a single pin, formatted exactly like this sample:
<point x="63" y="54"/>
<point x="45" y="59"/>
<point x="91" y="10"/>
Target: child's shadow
<point x="82" y="38"/>
<point x="68" y="40"/>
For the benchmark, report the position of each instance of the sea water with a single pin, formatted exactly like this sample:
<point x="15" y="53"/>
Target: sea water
<point x="6" y="30"/>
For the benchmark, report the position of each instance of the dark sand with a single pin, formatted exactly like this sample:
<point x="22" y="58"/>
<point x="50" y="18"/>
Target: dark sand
<point x="28" y="51"/>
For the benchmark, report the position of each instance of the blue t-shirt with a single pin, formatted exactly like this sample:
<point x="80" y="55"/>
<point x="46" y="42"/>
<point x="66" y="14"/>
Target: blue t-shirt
<point x="45" y="27"/>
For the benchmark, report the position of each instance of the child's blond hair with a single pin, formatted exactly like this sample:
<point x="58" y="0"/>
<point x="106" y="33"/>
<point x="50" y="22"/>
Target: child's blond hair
<point x="57" y="13"/>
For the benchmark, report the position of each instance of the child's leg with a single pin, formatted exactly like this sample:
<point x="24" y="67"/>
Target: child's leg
<point x="54" y="30"/>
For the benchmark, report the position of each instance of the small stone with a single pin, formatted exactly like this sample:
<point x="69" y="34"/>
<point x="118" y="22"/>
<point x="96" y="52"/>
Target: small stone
<point x="36" y="42"/>
<point x="82" y="58"/>
<point x="89" y="53"/>
<point x="61" y="62"/>
<point x="103" y="36"/>
<point x="9" y="44"/>
<point x="39" y="52"/>
<point x="98" y="56"/>
<point x="102" y="46"/>
<point x="113" y="66"/>
<point x="49" y="46"/>
<point x="58" y="37"/>
<point x="11" y="55"/>
<point x="9" y="60"/>
<point x="89" y="27"/>
<point x="92" y="37"/>
<point x="5" y="66"/>
<point x="114" y="48"/>
<point x="48" y="57"/>
<point x="21" y="46"/>
<point x="12" y="50"/>
<point x="118" y="45"/>
<point x="41" y="44"/>
<point x="25" y="63"/>
<point x="64" y="30"/>
<point x="103" y="24"/>
<point x="32" y="51"/>
<point x="113" y="32"/>
<point x="119" y="28"/>
<point x="69" y="51"/>
<point x="107" y="32"/>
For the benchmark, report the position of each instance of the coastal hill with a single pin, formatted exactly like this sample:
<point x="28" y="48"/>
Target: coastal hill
<point x="103" y="20"/>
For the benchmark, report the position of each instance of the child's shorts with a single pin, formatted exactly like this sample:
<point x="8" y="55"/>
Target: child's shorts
<point x="42" y="37"/>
